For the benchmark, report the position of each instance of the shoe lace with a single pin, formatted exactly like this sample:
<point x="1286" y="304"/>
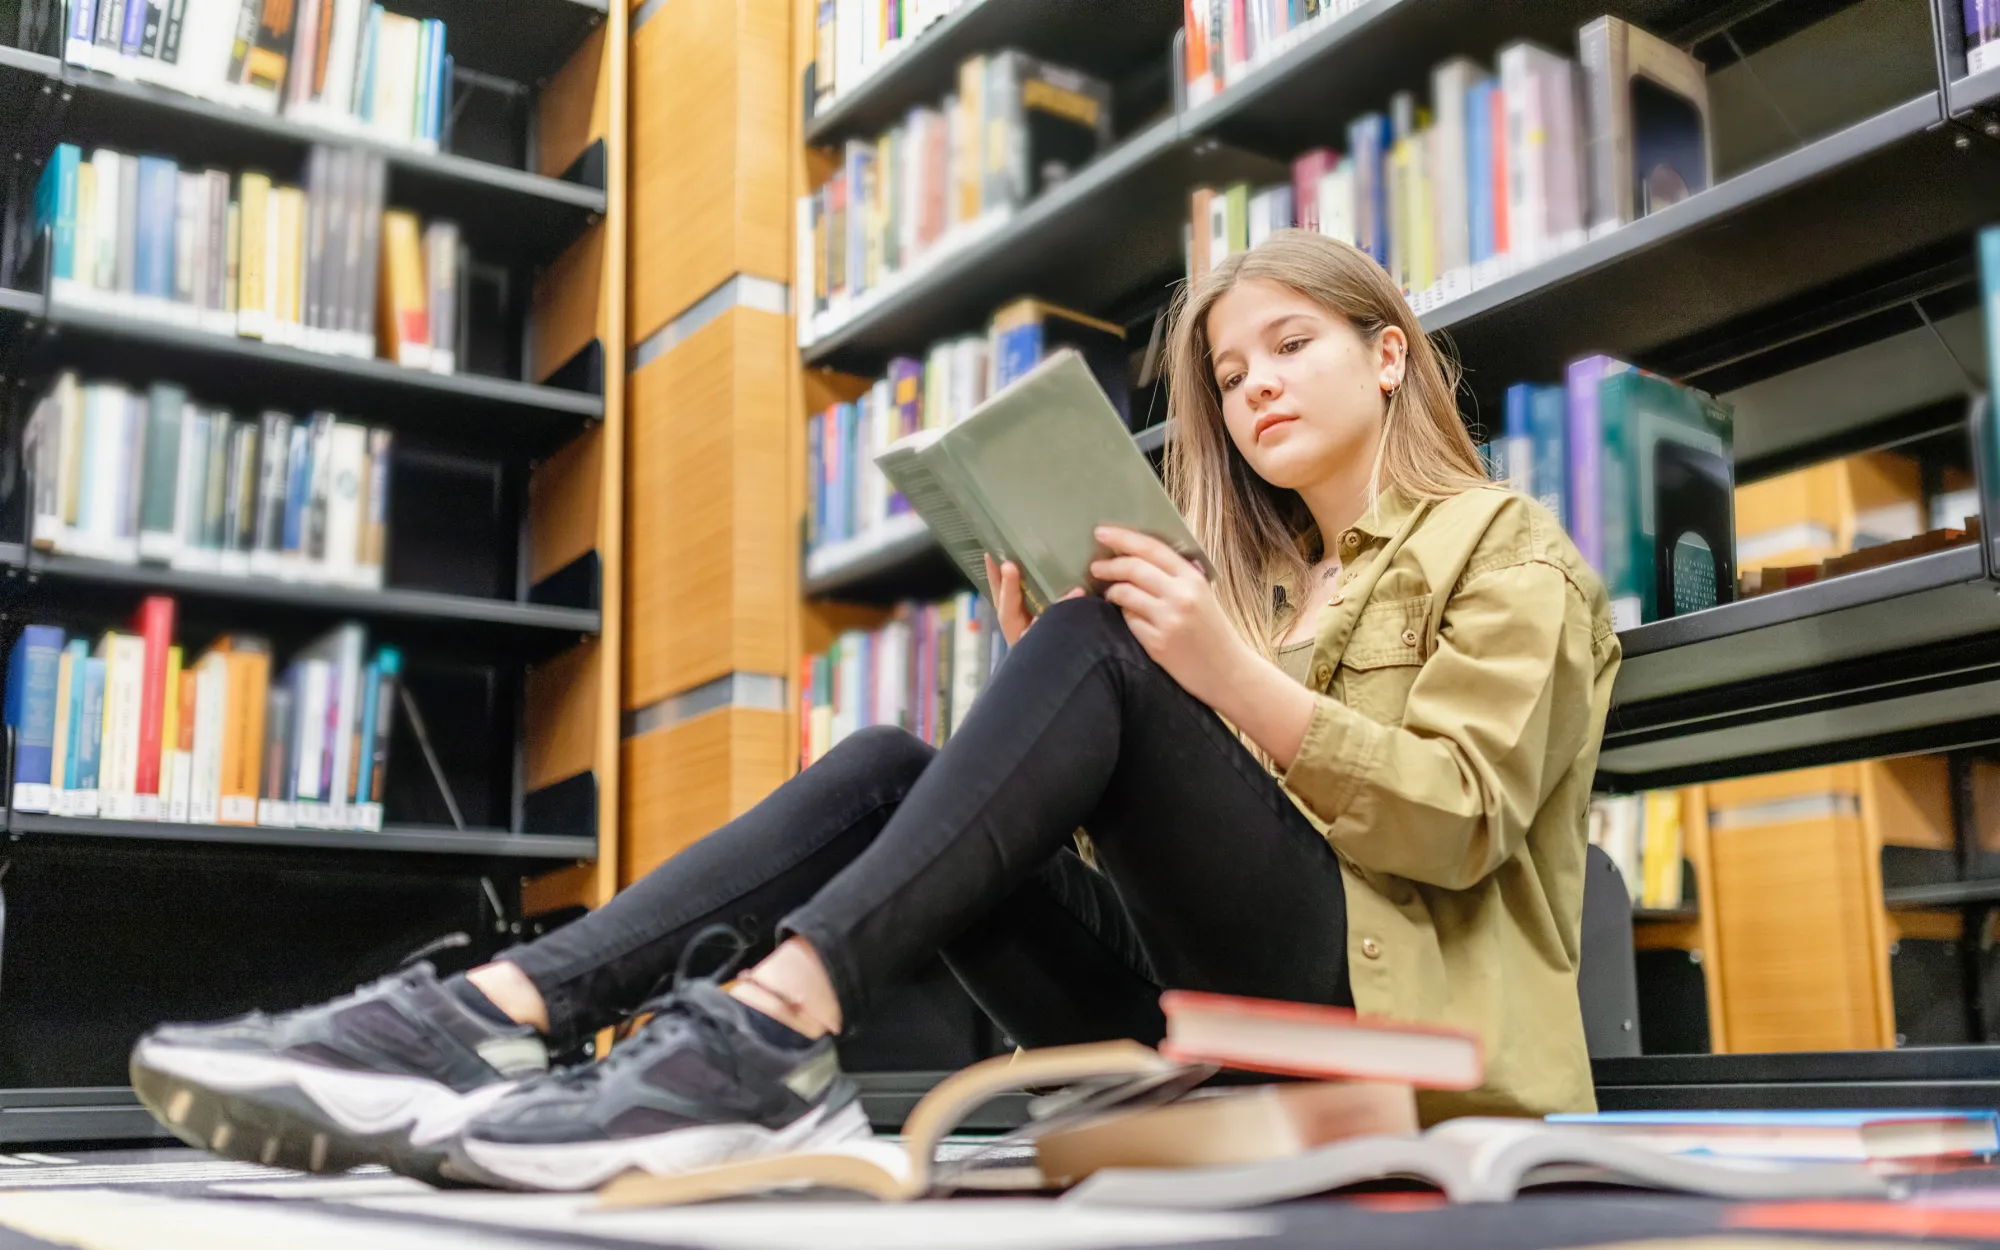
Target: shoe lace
<point x="670" y="1015"/>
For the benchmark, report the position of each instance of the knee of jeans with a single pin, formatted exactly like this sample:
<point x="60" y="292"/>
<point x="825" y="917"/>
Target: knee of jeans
<point x="890" y="748"/>
<point x="1086" y="618"/>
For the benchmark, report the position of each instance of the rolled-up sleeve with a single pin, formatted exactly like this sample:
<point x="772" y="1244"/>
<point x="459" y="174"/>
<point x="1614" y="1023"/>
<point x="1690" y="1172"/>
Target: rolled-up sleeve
<point x="1497" y="714"/>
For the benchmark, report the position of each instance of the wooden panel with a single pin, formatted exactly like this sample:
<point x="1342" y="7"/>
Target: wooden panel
<point x="711" y="106"/>
<point x="685" y="781"/>
<point x="1771" y="787"/>
<point x="712" y="577"/>
<point x="1907" y="802"/>
<point x="564" y="695"/>
<point x="1792" y="912"/>
<point x="570" y="308"/>
<point x="574" y="108"/>
<point x="565" y="505"/>
<point x="574" y="886"/>
<point x="1931" y="926"/>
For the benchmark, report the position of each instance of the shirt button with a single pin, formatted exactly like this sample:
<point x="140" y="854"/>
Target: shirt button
<point x="1350" y="540"/>
<point x="1371" y="948"/>
<point x="1322" y="675"/>
<point x="1337" y="601"/>
<point x="1409" y="637"/>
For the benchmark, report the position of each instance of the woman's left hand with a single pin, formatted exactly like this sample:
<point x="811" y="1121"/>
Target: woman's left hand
<point x="1172" y="611"/>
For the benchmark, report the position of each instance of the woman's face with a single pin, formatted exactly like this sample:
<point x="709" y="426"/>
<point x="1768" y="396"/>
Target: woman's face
<point x="1302" y="392"/>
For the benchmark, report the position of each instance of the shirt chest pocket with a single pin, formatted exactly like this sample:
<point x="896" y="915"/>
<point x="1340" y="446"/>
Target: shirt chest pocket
<point x="1386" y="651"/>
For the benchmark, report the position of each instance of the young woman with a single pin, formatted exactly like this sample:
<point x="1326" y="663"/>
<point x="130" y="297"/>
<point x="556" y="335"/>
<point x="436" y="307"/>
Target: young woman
<point x="1350" y="769"/>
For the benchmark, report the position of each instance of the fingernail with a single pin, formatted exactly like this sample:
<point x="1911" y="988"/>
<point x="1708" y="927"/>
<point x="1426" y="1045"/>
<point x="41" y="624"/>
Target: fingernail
<point x="1102" y="531"/>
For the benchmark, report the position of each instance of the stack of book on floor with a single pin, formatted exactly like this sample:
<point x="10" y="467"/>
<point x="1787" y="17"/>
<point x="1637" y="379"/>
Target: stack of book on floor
<point x="1501" y="169"/>
<point x="131" y="725"/>
<point x="149" y="476"/>
<point x="1125" y="1125"/>
<point x="323" y="266"/>
<point x="1017" y="127"/>
<point x="343" y="63"/>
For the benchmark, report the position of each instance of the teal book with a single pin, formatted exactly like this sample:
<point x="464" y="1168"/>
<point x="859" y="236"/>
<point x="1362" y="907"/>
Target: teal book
<point x="55" y="208"/>
<point x="159" y="475"/>
<point x="1548" y="440"/>
<point x="1989" y="282"/>
<point x="79" y="658"/>
<point x="1668" y="498"/>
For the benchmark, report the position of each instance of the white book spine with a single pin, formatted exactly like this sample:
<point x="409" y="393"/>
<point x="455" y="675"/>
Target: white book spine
<point x="343" y="505"/>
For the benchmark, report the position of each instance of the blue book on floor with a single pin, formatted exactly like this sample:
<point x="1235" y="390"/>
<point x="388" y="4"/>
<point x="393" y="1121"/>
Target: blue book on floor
<point x="31" y="711"/>
<point x="1853" y="1135"/>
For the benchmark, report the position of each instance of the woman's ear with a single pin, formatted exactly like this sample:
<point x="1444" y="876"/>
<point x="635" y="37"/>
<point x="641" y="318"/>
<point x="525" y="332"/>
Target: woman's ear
<point x="1392" y="349"/>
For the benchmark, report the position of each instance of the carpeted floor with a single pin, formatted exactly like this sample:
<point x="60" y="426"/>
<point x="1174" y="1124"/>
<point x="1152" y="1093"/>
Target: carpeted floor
<point x="174" y="1199"/>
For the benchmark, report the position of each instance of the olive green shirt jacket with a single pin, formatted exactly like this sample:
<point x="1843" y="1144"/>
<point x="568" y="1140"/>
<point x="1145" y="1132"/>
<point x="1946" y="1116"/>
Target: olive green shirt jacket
<point x="1461" y="680"/>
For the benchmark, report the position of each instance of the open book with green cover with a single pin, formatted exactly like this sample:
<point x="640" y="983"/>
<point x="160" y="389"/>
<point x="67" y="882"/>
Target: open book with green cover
<point x="1029" y="476"/>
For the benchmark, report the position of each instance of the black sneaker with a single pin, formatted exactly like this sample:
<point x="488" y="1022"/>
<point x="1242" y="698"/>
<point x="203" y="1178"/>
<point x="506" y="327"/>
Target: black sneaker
<point x="388" y="1074"/>
<point x="695" y="1086"/>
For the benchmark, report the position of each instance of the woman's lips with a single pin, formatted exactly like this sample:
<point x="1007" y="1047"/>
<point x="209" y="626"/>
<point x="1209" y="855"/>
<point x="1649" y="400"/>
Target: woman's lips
<point x="1271" y="421"/>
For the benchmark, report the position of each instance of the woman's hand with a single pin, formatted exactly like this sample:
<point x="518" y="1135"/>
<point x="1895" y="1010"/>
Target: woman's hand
<point x="1172" y="611"/>
<point x="1005" y="579"/>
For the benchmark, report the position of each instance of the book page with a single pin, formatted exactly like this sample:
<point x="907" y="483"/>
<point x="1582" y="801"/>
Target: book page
<point x="907" y="470"/>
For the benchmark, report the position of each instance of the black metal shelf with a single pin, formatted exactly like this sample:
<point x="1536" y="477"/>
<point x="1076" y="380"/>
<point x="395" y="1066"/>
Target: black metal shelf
<point x="1901" y="657"/>
<point x="527" y="419"/>
<point x="466" y="622"/>
<point x="1797" y="225"/>
<point x="1979" y="90"/>
<point x="1919" y="1076"/>
<point x="1106" y="40"/>
<point x="519" y="213"/>
<point x="1943" y="894"/>
<point x="524" y="40"/>
<point x="408" y="839"/>
<point x="1665" y="915"/>
<point x="1112" y="231"/>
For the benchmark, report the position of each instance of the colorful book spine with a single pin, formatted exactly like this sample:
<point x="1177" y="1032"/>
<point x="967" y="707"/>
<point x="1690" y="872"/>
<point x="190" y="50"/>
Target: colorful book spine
<point x="32" y="672"/>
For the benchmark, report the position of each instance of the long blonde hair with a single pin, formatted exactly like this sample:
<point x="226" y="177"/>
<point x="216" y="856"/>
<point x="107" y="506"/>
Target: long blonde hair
<point x="1254" y="532"/>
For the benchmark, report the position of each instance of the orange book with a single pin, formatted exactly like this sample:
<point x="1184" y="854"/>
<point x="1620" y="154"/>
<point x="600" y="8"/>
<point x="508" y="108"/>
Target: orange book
<point x="1500" y="156"/>
<point x="403" y="322"/>
<point x="249" y="667"/>
<point x="1299" y="1039"/>
<point x="1198" y="240"/>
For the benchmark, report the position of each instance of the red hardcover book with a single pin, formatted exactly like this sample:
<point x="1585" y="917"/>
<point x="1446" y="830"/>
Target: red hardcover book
<point x="155" y="624"/>
<point x="1299" y="1039"/>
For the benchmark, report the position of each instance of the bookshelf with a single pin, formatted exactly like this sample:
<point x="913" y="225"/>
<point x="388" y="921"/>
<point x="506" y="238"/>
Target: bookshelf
<point x="1780" y="267"/>
<point x="503" y="586"/>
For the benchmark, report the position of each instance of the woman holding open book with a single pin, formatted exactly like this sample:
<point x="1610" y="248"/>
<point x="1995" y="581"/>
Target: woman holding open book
<point x="1347" y="766"/>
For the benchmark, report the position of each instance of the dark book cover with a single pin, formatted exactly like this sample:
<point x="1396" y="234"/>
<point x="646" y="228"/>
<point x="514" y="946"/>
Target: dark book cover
<point x="170" y="38"/>
<point x="155" y="23"/>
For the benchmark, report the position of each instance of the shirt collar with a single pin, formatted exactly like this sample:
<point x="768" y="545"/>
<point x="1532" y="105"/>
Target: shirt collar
<point x="1391" y="509"/>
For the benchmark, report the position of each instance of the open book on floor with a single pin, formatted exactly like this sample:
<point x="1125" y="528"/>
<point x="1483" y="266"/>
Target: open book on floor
<point x="1094" y="1077"/>
<point x="1028" y="477"/>
<point x="1474" y="1160"/>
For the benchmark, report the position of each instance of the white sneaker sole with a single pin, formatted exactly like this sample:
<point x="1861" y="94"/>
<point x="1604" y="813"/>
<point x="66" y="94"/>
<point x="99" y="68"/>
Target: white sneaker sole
<point x="586" y="1165"/>
<point x="364" y="1104"/>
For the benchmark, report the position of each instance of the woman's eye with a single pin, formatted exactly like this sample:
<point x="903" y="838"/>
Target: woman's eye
<point x="1230" y="383"/>
<point x="1291" y="345"/>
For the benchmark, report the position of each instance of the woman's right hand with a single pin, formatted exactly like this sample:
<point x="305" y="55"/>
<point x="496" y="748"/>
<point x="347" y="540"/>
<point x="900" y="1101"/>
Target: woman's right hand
<point x="1005" y="579"/>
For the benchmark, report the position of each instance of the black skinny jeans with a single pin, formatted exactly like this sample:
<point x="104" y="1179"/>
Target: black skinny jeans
<point x="888" y="851"/>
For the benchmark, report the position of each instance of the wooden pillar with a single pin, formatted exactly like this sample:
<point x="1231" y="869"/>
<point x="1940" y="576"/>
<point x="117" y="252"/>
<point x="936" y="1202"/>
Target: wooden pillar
<point x="712" y="478"/>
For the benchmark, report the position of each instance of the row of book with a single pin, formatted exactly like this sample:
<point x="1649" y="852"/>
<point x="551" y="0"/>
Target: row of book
<point x="1496" y="172"/>
<point x="1227" y="39"/>
<point x="1640" y="472"/>
<point x="921" y="671"/>
<point x="1016" y="126"/>
<point x="855" y="38"/>
<point x="346" y="64"/>
<point x="129" y="476"/>
<point x="132" y="726"/>
<point x="322" y="266"/>
<point x="851" y="499"/>
<point x="1642" y="835"/>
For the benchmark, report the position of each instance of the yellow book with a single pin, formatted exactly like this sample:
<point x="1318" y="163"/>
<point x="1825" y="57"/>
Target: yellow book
<point x="248" y="662"/>
<point x="231" y="243"/>
<point x="86" y="223"/>
<point x="253" y="211"/>
<point x="170" y="728"/>
<point x="288" y="255"/>
<point x="967" y="199"/>
<point x="1662" y="856"/>
<point x="403" y="321"/>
